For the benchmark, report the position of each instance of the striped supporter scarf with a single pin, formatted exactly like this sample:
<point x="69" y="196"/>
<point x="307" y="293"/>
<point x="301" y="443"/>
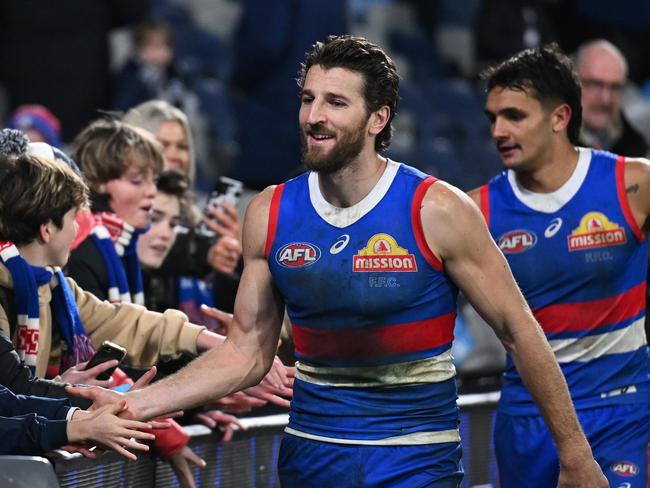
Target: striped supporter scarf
<point x="116" y="239"/>
<point x="27" y="279"/>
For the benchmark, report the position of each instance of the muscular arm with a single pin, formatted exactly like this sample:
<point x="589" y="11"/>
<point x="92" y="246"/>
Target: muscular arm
<point x="637" y="188"/>
<point x="456" y="231"/>
<point x="248" y="352"/>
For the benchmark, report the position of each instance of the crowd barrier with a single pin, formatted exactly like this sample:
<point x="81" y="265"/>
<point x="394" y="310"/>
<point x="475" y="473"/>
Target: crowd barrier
<point x="250" y="458"/>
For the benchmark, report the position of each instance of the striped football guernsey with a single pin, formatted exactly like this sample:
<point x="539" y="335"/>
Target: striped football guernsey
<point x="581" y="262"/>
<point x="372" y="314"/>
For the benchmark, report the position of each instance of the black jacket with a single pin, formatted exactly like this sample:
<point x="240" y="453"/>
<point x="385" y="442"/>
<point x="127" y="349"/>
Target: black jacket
<point x="31" y="425"/>
<point x="630" y="143"/>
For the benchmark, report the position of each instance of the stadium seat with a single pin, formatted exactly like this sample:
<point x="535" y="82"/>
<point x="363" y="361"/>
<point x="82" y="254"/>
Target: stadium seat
<point x="27" y="471"/>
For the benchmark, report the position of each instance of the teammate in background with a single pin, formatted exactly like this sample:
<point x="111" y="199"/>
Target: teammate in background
<point x="602" y="70"/>
<point x="366" y="254"/>
<point x="571" y="223"/>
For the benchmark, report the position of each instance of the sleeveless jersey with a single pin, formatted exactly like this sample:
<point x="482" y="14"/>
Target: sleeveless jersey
<point x="372" y="314"/>
<point x="581" y="262"/>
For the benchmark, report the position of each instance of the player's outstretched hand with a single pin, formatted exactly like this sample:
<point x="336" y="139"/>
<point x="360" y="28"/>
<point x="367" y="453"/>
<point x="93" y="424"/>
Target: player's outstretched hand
<point x="100" y="397"/>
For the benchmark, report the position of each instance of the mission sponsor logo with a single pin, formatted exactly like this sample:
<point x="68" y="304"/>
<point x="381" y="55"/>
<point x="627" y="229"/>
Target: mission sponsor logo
<point x="596" y="230"/>
<point x="298" y="255"/>
<point x="516" y="241"/>
<point x="624" y="468"/>
<point x="383" y="254"/>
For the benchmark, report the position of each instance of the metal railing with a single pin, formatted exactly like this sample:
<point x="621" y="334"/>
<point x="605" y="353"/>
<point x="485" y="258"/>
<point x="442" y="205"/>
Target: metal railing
<point x="250" y="458"/>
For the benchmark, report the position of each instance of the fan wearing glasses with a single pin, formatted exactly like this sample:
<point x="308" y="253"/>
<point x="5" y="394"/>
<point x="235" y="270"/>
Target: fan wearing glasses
<point x="602" y="70"/>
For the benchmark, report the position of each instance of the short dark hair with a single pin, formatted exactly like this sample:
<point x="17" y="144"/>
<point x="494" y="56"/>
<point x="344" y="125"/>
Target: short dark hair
<point x="35" y="191"/>
<point x="172" y="183"/>
<point x="380" y="77"/>
<point x="549" y="75"/>
<point x="175" y="184"/>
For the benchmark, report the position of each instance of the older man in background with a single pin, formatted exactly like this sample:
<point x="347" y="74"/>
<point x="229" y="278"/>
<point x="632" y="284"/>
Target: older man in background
<point x="602" y="70"/>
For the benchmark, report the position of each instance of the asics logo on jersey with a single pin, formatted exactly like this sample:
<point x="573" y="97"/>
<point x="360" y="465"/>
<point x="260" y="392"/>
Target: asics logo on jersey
<point x="340" y="244"/>
<point x="553" y="227"/>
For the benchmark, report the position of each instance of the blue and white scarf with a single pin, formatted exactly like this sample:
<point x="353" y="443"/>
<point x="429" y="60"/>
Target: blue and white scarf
<point x="27" y="279"/>
<point x="116" y="239"/>
<point x="64" y="307"/>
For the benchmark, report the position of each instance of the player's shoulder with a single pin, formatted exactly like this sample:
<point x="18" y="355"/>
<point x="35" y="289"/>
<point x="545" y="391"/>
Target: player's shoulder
<point x="444" y="201"/>
<point x="637" y="172"/>
<point x="475" y="195"/>
<point x="641" y="165"/>
<point x="262" y="201"/>
<point x="259" y="208"/>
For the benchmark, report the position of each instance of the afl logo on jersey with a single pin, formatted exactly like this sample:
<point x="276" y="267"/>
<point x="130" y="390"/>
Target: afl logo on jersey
<point x="516" y="241"/>
<point x="298" y="255"/>
<point x="625" y="468"/>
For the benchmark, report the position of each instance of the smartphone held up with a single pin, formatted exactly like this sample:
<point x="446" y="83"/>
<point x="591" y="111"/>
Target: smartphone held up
<point x="228" y="191"/>
<point x="106" y="352"/>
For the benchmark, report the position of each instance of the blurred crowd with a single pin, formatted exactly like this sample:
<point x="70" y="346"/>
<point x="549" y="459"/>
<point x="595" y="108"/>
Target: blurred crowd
<point x="230" y="67"/>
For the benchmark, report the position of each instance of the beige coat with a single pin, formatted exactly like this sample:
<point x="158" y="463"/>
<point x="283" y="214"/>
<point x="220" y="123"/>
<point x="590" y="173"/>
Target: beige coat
<point x="147" y="336"/>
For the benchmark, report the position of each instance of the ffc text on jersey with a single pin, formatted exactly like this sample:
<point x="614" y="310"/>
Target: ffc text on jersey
<point x="298" y="255"/>
<point x="596" y="230"/>
<point x="382" y="253"/>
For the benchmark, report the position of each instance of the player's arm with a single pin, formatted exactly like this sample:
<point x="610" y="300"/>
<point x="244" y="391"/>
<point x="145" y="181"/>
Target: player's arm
<point x="247" y="353"/>
<point x="637" y="188"/>
<point x="457" y="234"/>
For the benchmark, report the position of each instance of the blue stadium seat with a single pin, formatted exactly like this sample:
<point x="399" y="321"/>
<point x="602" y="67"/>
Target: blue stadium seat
<point x="199" y="53"/>
<point x="425" y="62"/>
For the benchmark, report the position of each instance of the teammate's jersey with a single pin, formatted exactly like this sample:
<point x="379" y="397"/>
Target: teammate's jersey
<point x="372" y="314"/>
<point x="581" y="262"/>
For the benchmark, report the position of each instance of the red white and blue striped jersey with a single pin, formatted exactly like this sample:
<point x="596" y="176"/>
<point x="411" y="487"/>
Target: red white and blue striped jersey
<point x="581" y="262"/>
<point x="372" y="313"/>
